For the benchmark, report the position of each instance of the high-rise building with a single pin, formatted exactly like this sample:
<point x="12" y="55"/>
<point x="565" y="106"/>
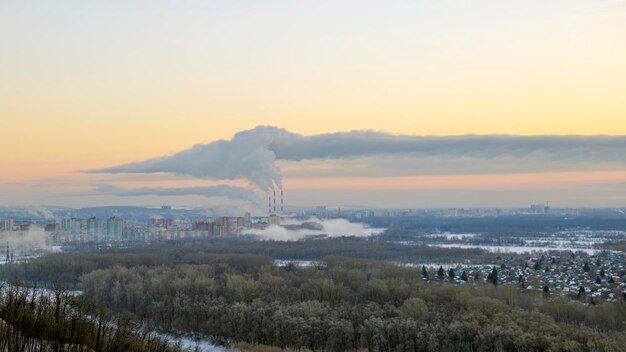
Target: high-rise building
<point x="71" y="225"/>
<point x="219" y="229"/>
<point x="65" y="224"/>
<point x="202" y="226"/>
<point x="77" y="225"/>
<point x="7" y="224"/>
<point x="321" y="211"/>
<point x="241" y="223"/>
<point x="115" y="228"/>
<point x="273" y="219"/>
<point x="93" y="229"/>
<point x="225" y="222"/>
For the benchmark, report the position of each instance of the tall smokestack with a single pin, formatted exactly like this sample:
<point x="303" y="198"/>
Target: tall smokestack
<point x="274" y="200"/>
<point x="281" y="201"/>
<point x="269" y="204"/>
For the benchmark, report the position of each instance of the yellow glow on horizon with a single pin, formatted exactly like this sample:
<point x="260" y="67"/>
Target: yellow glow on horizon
<point x="104" y="95"/>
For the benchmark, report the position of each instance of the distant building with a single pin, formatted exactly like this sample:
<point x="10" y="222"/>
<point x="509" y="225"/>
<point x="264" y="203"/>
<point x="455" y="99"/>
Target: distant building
<point x="203" y="226"/>
<point x="51" y="227"/>
<point x="538" y="209"/>
<point x="93" y="229"/>
<point x="161" y="223"/>
<point x="65" y="224"/>
<point x="225" y="222"/>
<point x="219" y="229"/>
<point x="321" y="211"/>
<point x="72" y="225"/>
<point x="7" y="224"/>
<point x="453" y="212"/>
<point x="115" y="228"/>
<point x="273" y="219"/>
<point x="241" y="223"/>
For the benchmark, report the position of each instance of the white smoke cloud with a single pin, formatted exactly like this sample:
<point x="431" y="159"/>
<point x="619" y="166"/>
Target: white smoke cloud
<point x="252" y="154"/>
<point x="24" y="243"/>
<point x="300" y="230"/>
<point x="247" y="156"/>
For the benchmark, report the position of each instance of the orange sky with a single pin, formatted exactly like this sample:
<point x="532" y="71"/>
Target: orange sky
<point x="90" y="85"/>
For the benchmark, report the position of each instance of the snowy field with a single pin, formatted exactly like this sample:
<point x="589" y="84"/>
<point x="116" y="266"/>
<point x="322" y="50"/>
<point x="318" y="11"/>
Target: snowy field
<point x="517" y="249"/>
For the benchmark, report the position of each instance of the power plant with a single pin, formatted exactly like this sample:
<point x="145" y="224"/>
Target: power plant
<point x="271" y="205"/>
<point x="273" y="218"/>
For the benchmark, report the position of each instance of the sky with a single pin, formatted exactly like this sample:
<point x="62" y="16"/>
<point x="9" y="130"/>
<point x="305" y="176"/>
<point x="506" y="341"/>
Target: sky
<point x="93" y="85"/>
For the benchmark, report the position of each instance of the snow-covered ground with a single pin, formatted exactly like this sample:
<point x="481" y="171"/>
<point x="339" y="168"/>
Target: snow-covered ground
<point x="48" y="293"/>
<point x="433" y="265"/>
<point x="588" y="241"/>
<point x="192" y="345"/>
<point x="452" y="236"/>
<point x="303" y="263"/>
<point x="185" y="343"/>
<point x="517" y="249"/>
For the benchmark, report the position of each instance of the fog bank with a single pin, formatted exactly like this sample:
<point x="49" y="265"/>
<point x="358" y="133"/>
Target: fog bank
<point x="293" y="230"/>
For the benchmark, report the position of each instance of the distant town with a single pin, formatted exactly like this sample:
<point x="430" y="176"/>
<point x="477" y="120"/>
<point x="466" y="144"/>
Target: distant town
<point x="578" y="275"/>
<point x="167" y="224"/>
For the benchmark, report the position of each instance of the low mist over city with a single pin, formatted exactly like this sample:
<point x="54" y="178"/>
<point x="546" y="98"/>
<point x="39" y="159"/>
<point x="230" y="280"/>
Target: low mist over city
<point x="222" y="176"/>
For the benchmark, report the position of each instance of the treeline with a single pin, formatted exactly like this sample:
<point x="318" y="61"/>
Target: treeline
<point x="68" y="268"/>
<point x="379" y="248"/>
<point x="615" y="246"/>
<point x="32" y="320"/>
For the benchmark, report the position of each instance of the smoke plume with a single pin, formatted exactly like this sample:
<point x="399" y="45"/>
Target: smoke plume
<point x="248" y="155"/>
<point x="24" y="243"/>
<point x="252" y="154"/>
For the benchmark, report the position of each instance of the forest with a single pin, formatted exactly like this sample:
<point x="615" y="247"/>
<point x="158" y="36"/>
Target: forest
<point x="342" y="304"/>
<point x="53" y="320"/>
<point x="382" y="247"/>
<point x="57" y="267"/>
